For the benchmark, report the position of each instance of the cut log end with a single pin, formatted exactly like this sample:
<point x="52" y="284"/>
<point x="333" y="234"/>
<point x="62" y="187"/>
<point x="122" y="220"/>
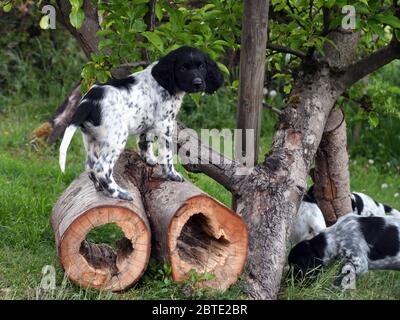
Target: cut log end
<point x="100" y="266"/>
<point x="205" y="236"/>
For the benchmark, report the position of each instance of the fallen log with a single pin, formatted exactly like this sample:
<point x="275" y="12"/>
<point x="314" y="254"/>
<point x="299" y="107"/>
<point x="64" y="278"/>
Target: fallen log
<point x="190" y="229"/>
<point x="79" y="210"/>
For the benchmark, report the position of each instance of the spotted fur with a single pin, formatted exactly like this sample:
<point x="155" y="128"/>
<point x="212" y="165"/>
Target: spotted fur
<point x="146" y="104"/>
<point x="310" y="220"/>
<point x="361" y="243"/>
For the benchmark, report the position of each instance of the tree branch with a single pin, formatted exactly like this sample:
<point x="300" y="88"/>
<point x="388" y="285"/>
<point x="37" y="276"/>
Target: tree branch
<point x="206" y="160"/>
<point x="279" y="48"/>
<point x="327" y="20"/>
<point x="273" y="109"/>
<point x="149" y="18"/>
<point x="370" y="63"/>
<point x="124" y="69"/>
<point x="86" y="35"/>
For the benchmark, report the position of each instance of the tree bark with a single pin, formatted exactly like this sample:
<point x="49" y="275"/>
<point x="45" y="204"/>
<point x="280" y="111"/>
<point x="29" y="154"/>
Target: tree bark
<point x="332" y="180"/>
<point x="79" y="210"/>
<point x="252" y="71"/>
<point x="268" y="199"/>
<point x="86" y="35"/>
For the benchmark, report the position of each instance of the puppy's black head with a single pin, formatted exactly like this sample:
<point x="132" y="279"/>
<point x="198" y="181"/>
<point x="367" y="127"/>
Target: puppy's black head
<point x="306" y="257"/>
<point x="189" y="70"/>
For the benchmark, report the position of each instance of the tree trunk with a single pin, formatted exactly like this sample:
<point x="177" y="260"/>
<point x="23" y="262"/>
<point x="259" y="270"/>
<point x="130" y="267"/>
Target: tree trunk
<point x="268" y="199"/>
<point x="190" y="229"/>
<point x="79" y="210"/>
<point x="252" y="71"/>
<point x="332" y="178"/>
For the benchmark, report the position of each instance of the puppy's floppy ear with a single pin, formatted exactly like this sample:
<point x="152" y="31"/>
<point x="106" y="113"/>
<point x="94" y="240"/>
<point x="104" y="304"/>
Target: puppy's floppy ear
<point x="163" y="72"/>
<point x="214" y="77"/>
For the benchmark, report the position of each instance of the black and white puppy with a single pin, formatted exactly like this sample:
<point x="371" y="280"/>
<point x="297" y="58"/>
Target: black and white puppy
<point x="364" y="205"/>
<point x="310" y="220"/>
<point x="145" y="103"/>
<point x="361" y="243"/>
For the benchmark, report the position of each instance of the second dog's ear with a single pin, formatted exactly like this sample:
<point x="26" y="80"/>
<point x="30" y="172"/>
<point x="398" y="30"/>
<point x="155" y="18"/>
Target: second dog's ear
<point x="214" y="77"/>
<point x="163" y="72"/>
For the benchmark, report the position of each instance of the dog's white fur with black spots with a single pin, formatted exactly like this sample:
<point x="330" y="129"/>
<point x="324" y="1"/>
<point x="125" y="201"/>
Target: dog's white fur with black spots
<point x="310" y="220"/>
<point x="145" y="103"/>
<point x="361" y="243"/>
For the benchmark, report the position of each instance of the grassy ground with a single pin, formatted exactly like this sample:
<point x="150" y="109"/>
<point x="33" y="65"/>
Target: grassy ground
<point x="31" y="182"/>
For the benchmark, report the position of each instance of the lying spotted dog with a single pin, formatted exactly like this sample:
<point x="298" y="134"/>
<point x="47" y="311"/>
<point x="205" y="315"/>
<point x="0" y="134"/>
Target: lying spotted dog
<point x="310" y="220"/>
<point x="361" y="243"/>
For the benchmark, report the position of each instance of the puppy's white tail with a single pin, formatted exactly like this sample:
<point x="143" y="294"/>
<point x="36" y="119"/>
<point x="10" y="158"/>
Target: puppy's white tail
<point x="68" y="134"/>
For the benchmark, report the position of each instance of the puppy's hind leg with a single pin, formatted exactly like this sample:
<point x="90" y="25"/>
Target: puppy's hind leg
<point x="91" y="159"/>
<point x="354" y="265"/>
<point x="104" y="172"/>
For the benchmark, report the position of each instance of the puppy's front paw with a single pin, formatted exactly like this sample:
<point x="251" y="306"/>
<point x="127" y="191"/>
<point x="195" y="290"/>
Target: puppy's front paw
<point x="125" y="196"/>
<point x="175" y="176"/>
<point x="151" y="161"/>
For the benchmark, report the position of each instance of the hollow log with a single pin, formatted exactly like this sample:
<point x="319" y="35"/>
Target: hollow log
<point x="79" y="210"/>
<point x="190" y="229"/>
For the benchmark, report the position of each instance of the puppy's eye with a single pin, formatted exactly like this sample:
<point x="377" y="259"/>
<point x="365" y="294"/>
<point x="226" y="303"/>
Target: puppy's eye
<point x="183" y="68"/>
<point x="202" y="66"/>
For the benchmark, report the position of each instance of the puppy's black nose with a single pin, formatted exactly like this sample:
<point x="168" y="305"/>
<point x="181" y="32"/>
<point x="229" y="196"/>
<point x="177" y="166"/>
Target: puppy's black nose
<point x="197" y="82"/>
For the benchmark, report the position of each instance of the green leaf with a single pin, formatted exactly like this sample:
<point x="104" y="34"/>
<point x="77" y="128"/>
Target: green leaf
<point x="159" y="13"/>
<point x="76" y="3"/>
<point x="44" y="22"/>
<point x="376" y="27"/>
<point x="223" y="68"/>
<point x="140" y="1"/>
<point x="388" y="19"/>
<point x="373" y="120"/>
<point x="76" y="17"/>
<point x="103" y="33"/>
<point x="329" y="3"/>
<point x="154" y="40"/>
<point x="196" y="98"/>
<point x="106" y="43"/>
<point x="7" y="7"/>
<point x="221" y="42"/>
